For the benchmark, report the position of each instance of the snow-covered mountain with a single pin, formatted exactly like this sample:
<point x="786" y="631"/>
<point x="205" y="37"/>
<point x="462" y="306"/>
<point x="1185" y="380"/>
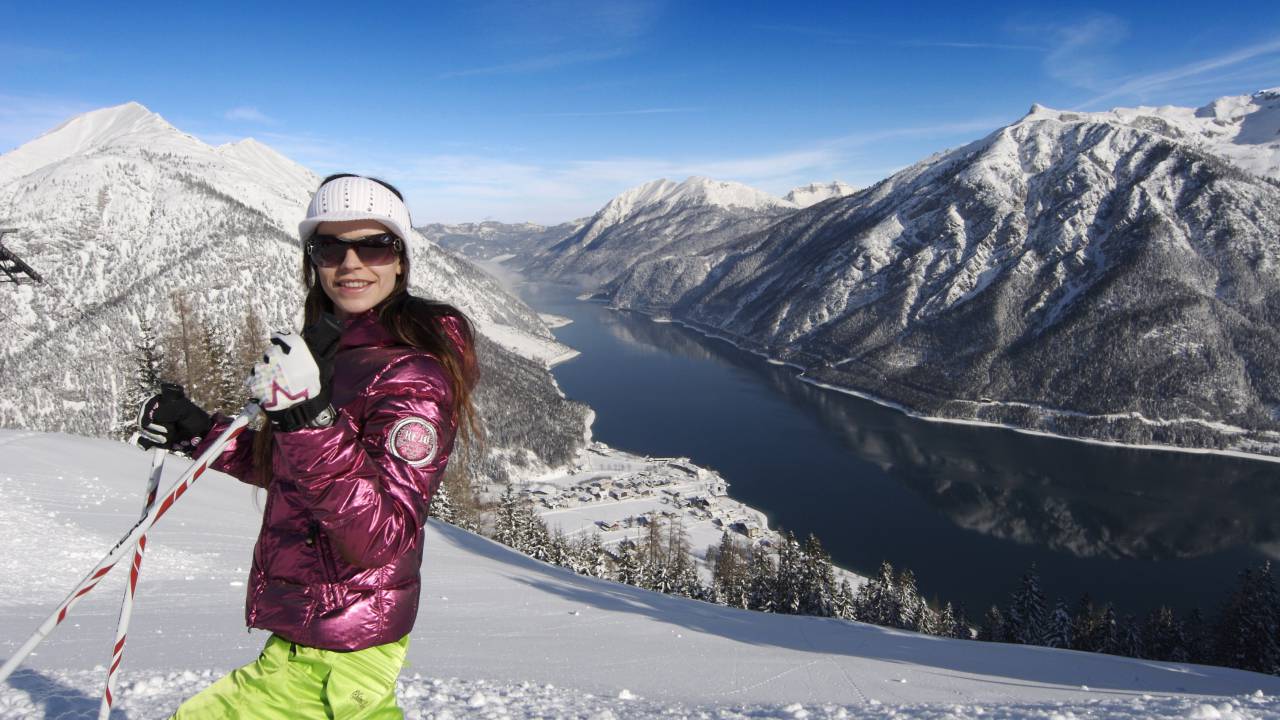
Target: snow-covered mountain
<point x="1109" y="275"/>
<point x="121" y="213"/>
<point x="489" y="240"/>
<point x="502" y="635"/>
<point x="659" y="218"/>
<point x="1244" y="129"/>
<point x="814" y="193"/>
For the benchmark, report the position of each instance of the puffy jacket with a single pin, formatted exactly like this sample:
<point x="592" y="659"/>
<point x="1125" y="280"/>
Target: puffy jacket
<point x="336" y="565"/>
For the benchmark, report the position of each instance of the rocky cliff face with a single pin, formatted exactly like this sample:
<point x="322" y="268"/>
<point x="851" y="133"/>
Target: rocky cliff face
<point x="1110" y="275"/>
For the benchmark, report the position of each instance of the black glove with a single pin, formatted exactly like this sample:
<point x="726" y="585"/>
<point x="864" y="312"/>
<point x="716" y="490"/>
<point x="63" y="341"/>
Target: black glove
<point x="171" y="421"/>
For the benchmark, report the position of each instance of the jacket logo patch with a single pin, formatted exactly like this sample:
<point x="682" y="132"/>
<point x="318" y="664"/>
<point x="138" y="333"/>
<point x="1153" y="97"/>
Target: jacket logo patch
<point x="413" y="440"/>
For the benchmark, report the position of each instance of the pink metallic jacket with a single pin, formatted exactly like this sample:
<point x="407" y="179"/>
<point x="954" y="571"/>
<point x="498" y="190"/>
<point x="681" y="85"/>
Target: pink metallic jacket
<point x="337" y="561"/>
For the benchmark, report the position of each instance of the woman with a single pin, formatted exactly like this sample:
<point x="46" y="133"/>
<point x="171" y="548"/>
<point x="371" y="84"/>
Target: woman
<point x="359" y="435"/>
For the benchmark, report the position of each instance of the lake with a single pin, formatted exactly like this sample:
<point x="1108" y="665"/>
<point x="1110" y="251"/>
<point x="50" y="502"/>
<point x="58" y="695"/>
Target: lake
<point x="967" y="508"/>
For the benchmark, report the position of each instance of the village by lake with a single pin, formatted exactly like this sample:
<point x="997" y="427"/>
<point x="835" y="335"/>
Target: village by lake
<point x="968" y="509"/>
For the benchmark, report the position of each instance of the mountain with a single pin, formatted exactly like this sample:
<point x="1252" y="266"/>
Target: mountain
<point x="489" y="240"/>
<point x="122" y="213"/>
<point x="657" y="219"/>
<point x="814" y="193"/>
<point x="1104" y="275"/>
<point x="502" y="635"/>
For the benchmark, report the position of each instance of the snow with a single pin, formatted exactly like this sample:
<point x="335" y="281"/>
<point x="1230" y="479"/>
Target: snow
<point x="694" y="190"/>
<point x="1243" y="129"/>
<point x="502" y="635"/>
<point x="814" y="193"/>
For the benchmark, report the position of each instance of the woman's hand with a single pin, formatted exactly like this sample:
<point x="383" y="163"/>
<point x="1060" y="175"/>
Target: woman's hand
<point x="292" y="383"/>
<point x="171" y="421"/>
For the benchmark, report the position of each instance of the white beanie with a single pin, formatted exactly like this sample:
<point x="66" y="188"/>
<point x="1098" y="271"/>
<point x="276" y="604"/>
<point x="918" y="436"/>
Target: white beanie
<point x="356" y="198"/>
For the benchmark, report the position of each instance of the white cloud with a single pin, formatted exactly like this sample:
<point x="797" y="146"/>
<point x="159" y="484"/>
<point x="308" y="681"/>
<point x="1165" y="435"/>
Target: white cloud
<point x="458" y="187"/>
<point x="1079" y="52"/>
<point x="1202" y="71"/>
<point x="538" y="63"/>
<point x="246" y="113"/>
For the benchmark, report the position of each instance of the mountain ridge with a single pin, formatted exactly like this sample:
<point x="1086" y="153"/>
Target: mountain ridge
<point x="1086" y="275"/>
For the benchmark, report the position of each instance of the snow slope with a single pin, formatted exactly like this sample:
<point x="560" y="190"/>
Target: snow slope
<point x="120" y="212"/>
<point x="501" y="635"/>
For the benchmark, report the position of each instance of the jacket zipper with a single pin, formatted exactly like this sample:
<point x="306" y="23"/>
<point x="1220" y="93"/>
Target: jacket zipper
<point x="324" y="550"/>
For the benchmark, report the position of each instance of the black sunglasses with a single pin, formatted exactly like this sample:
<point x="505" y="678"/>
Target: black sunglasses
<point x="328" y="251"/>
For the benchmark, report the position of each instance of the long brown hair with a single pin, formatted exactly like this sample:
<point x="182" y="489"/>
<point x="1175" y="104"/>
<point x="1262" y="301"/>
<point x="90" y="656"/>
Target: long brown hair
<point x="412" y="321"/>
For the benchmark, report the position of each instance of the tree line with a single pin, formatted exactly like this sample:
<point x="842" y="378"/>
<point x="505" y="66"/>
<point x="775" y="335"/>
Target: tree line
<point x="796" y="578"/>
<point x="193" y="351"/>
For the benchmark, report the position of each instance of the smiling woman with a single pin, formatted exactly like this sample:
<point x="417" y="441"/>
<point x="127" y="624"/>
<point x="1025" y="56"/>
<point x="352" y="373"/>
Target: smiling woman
<point x="361" y="427"/>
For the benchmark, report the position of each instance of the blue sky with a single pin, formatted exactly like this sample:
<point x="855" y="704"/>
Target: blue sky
<point x="544" y="110"/>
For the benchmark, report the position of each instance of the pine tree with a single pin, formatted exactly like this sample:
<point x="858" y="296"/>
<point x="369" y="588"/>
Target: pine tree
<point x="558" y="550"/>
<point x="144" y="382"/>
<point x="1109" y="639"/>
<point x="534" y="537"/>
<point x="947" y="622"/>
<point x="963" y="628"/>
<point x="909" y="610"/>
<point x="819" y="589"/>
<point x="221" y="389"/>
<point x="789" y="577"/>
<point x="760" y="578"/>
<point x="1164" y="637"/>
<point x="441" y="506"/>
<point x="630" y="563"/>
<point x="1026" y="617"/>
<point x="875" y="602"/>
<point x="591" y="557"/>
<point x="680" y="571"/>
<point x="1058" y="631"/>
<point x="1248" y="632"/>
<point x="1131" y="638"/>
<point x="927" y="621"/>
<point x="993" y="628"/>
<point x="506" y="528"/>
<point x="1086" y="626"/>
<point x="846" y="602"/>
<point x="1199" y="648"/>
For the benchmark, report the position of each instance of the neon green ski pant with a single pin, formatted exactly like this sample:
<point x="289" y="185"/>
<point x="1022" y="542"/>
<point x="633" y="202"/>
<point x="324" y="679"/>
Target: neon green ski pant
<point x="291" y="681"/>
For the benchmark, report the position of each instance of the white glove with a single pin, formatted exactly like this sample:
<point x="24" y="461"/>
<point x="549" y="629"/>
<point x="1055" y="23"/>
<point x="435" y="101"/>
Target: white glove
<point x="290" y="385"/>
<point x="287" y="375"/>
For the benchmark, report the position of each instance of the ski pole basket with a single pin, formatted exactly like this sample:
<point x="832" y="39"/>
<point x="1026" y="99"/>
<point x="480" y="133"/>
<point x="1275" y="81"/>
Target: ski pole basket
<point x="12" y="268"/>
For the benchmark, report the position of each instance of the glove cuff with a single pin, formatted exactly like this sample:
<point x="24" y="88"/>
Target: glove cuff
<point x="315" y="412"/>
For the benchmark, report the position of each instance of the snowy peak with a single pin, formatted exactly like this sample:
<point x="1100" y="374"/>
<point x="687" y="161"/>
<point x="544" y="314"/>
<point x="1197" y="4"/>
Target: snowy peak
<point x="130" y="123"/>
<point x="1242" y="129"/>
<point x="695" y="190"/>
<point x="814" y="193"/>
<point x="263" y="160"/>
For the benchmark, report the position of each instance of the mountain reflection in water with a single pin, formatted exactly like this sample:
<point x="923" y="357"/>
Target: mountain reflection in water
<point x="1135" y="526"/>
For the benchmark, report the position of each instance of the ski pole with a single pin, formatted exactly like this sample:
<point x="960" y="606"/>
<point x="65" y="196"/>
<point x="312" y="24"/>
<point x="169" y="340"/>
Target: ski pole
<point x="126" y="605"/>
<point x="118" y="550"/>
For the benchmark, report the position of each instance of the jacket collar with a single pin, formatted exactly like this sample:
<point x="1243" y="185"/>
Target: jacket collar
<point x="364" y="330"/>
